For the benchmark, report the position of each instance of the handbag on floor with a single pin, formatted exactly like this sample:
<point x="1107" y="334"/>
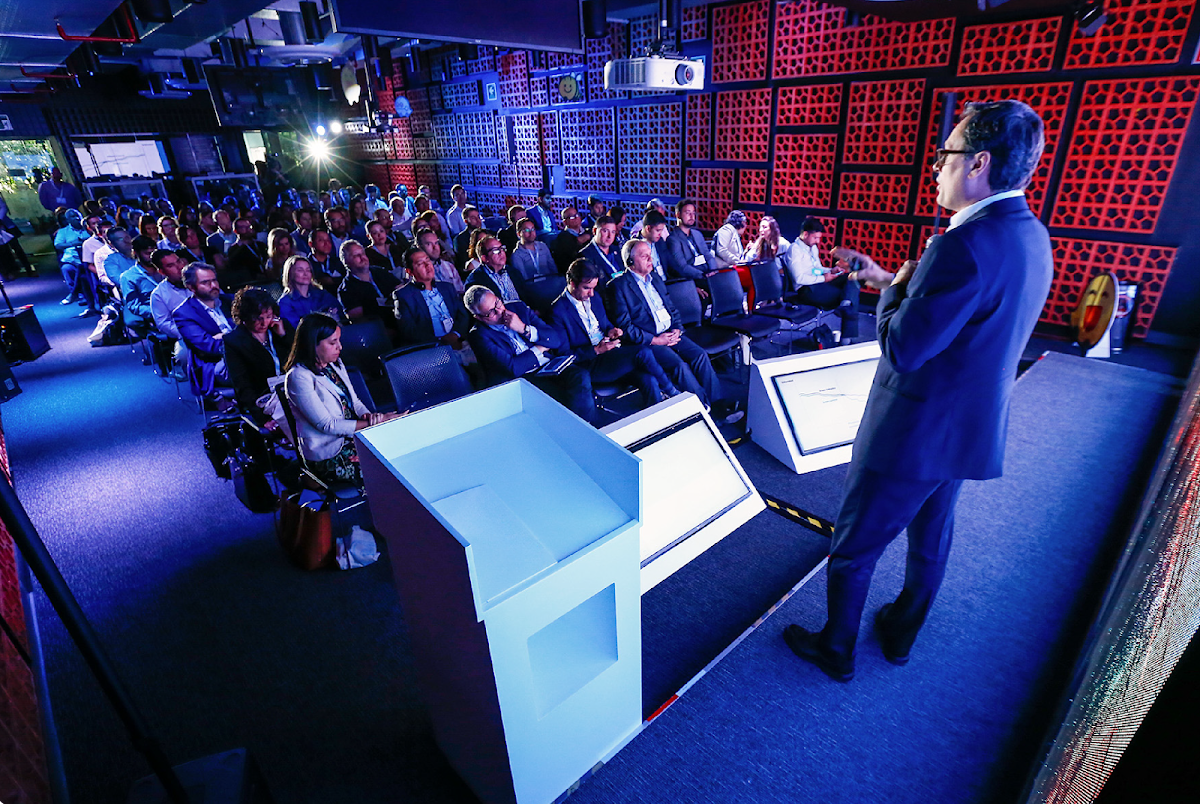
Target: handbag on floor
<point x="305" y="530"/>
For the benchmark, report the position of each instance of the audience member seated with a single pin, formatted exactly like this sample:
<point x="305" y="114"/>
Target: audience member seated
<point x="543" y="217"/>
<point x="302" y="296"/>
<point x="168" y="227"/>
<point x="622" y="221"/>
<point x="508" y="235"/>
<point x="113" y="236"/>
<point x="456" y="216"/>
<point x="337" y="221"/>
<point x="727" y="242"/>
<point x="647" y="317"/>
<point x="68" y="242"/>
<point x="573" y="237"/>
<point x="203" y="322"/>
<point x="191" y="248"/>
<point x="827" y="288"/>
<point x="493" y="273"/>
<point x="303" y="219"/>
<point x="510" y="341"/>
<point x="245" y="259"/>
<point x="462" y="241"/>
<point x="374" y="201"/>
<point x="474" y="257"/>
<point x="595" y="208"/>
<point x="653" y="205"/>
<point x="430" y="220"/>
<point x="148" y="227"/>
<point x="384" y="254"/>
<point x="280" y="249"/>
<point x="402" y="212"/>
<point x="328" y="271"/>
<point x="602" y="251"/>
<point x="654" y="232"/>
<point x="223" y="239"/>
<point x="428" y="310"/>
<point x="531" y="258"/>
<point x="366" y="292"/>
<point x="138" y="283"/>
<point x="327" y="410"/>
<point x="420" y="207"/>
<point x="256" y="349"/>
<point x="443" y="269"/>
<point x="596" y="343"/>
<point x="168" y="295"/>
<point x="688" y="256"/>
<point x="359" y="218"/>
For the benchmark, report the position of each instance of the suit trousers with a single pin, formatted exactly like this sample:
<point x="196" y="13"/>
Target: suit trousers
<point x="631" y="363"/>
<point x="572" y="389"/>
<point x="690" y="369"/>
<point x="840" y="294"/>
<point x="875" y="509"/>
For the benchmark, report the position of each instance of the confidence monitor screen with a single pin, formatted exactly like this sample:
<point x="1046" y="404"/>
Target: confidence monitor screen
<point x="825" y="405"/>
<point x="688" y="481"/>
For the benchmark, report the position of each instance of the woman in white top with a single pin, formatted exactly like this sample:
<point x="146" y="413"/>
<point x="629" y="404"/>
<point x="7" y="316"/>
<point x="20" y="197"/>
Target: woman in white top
<point x="727" y="242"/>
<point x="327" y="410"/>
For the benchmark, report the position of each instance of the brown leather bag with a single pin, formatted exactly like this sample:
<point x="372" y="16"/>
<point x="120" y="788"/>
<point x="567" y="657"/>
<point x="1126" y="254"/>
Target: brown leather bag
<point x="305" y="535"/>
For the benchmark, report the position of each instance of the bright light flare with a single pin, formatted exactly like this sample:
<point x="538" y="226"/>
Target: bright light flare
<point x="335" y="127"/>
<point x="320" y="131"/>
<point x="318" y="150"/>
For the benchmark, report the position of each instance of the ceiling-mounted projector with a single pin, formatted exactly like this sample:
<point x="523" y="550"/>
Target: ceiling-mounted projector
<point x="662" y="73"/>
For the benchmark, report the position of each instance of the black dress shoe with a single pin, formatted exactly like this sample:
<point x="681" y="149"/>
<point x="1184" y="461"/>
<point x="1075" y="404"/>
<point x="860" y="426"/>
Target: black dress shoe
<point x="886" y="641"/>
<point x="807" y="646"/>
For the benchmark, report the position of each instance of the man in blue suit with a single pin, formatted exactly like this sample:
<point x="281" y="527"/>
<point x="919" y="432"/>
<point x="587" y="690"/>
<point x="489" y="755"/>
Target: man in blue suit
<point x="203" y="322"/>
<point x="596" y="343"/>
<point x="952" y="328"/>
<point x="427" y="310"/>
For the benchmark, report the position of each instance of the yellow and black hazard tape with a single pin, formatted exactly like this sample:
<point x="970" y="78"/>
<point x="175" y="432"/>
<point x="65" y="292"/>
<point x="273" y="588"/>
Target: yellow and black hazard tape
<point x="798" y="515"/>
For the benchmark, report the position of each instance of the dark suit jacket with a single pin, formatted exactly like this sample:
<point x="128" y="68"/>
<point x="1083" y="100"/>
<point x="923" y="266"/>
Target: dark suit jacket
<point x="250" y="366"/>
<point x="412" y="313"/>
<point x="565" y="318"/>
<point x="679" y="259"/>
<point x="565" y="248"/>
<point x="197" y="328"/>
<point x="495" y="352"/>
<point x="480" y="277"/>
<point x="633" y="312"/>
<point x="462" y="244"/>
<point x="591" y="252"/>
<point x="951" y="339"/>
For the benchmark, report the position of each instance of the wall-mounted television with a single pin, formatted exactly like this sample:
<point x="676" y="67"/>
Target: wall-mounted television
<point x="262" y="97"/>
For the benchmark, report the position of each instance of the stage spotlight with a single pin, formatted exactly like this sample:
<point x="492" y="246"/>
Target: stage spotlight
<point x="320" y="131"/>
<point x="318" y="150"/>
<point x="1090" y="16"/>
<point x="335" y="126"/>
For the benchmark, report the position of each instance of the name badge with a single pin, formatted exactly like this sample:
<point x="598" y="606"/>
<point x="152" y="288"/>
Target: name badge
<point x="699" y="260"/>
<point x="382" y="302"/>
<point x="663" y="318"/>
<point x="448" y="325"/>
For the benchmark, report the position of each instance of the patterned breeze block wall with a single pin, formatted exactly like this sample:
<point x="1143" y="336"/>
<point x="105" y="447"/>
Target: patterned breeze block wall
<point x="699" y="126"/>
<point x="477" y="135"/>
<point x="548" y="127"/>
<point x="1126" y="143"/>
<point x="427" y="176"/>
<point x="445" y="132"/>
<point x="803" y="173"/>
<point x="812" y="38"/>
<point x="881" y="124"/>
<point x="739" y="42"/>
<point x="1009" y="47"/>
<point x="695" y="23"/>
<point x="1048" y="100"/>
<point x="649" y="147"/>
<point x="514" y="80"/>
<point x="874" y="192"/>
<point x="712" y="190"/>
<point x="752" y="187"/>
<point x="1077" y="261"/>
<point x="813" y="105"/>
<point x="887" y="243"/>
<point x="587" y="147"/>
<point x="743" y="125"/>
<point x="527" y="158"/>
<point x="1137" y="32"/>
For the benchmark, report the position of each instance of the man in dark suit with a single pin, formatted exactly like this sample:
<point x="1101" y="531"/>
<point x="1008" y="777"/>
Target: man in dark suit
<point x="596" y="343"/>
<point x="493" y="272"/>
<point x="602" y="251"/>
<point x="510" y="341"/>
<point x="688" y="256"/>
<point x="462" y="242"/>
<point x="647" y="317"/>
<point x="566" y="244"/>
<point x="952" y="328"/>
<point x="428" y="310"/>
<point x="203" y="322"/>
<point x="654" y="232"/>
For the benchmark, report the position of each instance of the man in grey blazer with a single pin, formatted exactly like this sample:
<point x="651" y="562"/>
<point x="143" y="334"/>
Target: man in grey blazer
<point x="952" y="328"/>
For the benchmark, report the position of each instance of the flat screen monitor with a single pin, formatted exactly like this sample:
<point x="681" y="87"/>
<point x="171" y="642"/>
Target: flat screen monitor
<point x="825" y="405"/>
<point x="262" y="97"/>
<point x="688" y="480"/>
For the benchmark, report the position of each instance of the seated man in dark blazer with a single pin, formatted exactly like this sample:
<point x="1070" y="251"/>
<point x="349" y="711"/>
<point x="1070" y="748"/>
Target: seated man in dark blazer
<point x="603" y="251"/>
<point x="462" y="241"/>
<point x="566" y="244"/>
<point x="203" y="322"/>
<point x="493" y="272"/>
<point x="688" y="255"/>
<point x="596" y="343"/>
<point x="510" y="341"/>
<point x="428" y="310"/>
<point x="648" y="318"/>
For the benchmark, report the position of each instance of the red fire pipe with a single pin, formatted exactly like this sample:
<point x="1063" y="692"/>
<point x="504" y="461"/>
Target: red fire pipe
<point x="67" y="76"/>
<point x="35" y="91"/>
<point x="132" y="39"/>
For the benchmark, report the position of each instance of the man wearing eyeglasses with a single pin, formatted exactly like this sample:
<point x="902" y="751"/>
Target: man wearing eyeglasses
<point x="570" y="240"/>
<point x="493" y="271"/>
<point x="952" y="328"/>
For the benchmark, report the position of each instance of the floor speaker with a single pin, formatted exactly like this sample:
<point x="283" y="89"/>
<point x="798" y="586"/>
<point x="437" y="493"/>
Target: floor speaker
<point x="21" y="335"/>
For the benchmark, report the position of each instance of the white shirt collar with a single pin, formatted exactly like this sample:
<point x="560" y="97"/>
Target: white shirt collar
<point x="960" y="217"/>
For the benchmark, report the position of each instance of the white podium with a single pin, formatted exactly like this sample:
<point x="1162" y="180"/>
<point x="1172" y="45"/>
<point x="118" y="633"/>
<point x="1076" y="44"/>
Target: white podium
<point x="512" y="527"/>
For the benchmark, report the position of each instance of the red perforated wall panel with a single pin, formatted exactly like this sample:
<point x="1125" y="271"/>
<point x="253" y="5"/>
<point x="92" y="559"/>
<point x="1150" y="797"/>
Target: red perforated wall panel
<point x="514" y="80"/>
<point x="650" y="148"/>
<point x="528" y="156"/>
<point x="1137" y="32"/>
<point x="539" y="91"/>
<point x="600" y="52"/>
<point x="743" y="125"/>
<point x="477" y="134"/>
<point x="712" y="189"/>
<point x="1025" y="46"/>
<point x="813" y="105"/>
<point x="695" y="24"/>
<point x="427" y="175"/>
<point x="1126" y="142"/>
<point x="753" y="219"/>
<point x="548" y="126"/>
<point x="803" y="174"/>
<point x="403" y="140"/>
<point x="881" y="124"/>
<point x="446" y="133"/>
<point x="887" y="243"/>
<point x="1077" y="261"/>
<point x="739" y="42"/>
<point x="752" y="187"/>
<point x="1048" y="100"/>
<point x="402" y="174"/>
<point x="699" y="126"/>
<point x="587" y="149"/>
<point x="812" y="38"/>
<point x="419" y="121"/>
<point x="425" y="147"/>
<point x="874" y="192"/>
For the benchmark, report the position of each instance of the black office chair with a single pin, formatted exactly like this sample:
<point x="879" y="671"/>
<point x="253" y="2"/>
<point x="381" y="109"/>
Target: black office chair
<point x="541" y="292"/>
<point x="772" y="301"/>
<point x="712" y="340"/>
<point x="343" y="491"/>
<point x="728" y="310"/>
<point x="425" y="375"/>
<point x="363" y="346"/>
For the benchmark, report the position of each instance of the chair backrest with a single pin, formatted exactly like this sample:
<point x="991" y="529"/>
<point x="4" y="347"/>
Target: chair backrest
<point x="541" y="292"/>
<point x="726" y="290"/>
<point x="364" y="343"/>
<point x="686" y="300"/>
<point x="290" y="416"/>
<point x="768" y="285"/>
<point x="422" y="378"/>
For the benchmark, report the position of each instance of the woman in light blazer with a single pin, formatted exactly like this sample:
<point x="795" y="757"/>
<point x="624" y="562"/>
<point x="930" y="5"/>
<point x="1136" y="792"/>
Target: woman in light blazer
<point x="327" y="410"/>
